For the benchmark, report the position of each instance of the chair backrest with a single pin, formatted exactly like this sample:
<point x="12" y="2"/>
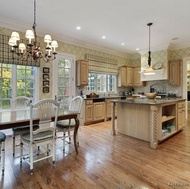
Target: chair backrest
<point x="76" y="104"/>
<point x="44" y="110"/>
<point x="20" y="102"/>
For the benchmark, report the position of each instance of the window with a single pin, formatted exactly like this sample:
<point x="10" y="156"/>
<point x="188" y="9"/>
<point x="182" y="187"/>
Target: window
<point x="16" y="80"/>
<point x="101" y="82"/>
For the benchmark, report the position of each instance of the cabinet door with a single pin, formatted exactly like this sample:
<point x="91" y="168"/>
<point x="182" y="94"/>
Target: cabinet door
<point x="181" y="118"/>
<point x="122" y="77"/>
<point x="175" y="72"/>
<point x="88" y="113"/>
<point x="99" y="111"/>
<point x="137" y="77"/>
<point x="82" y="72"/>
<point x="129" y="76"/>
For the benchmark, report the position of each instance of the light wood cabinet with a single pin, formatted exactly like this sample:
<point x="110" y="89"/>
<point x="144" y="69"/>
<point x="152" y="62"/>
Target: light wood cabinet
<point x="130" y="76"/>
<point x="172" y="119"/>
<point x="175" y="72"/>
<point x="99" y="111"/>
<point x="137" y="77"/>
<point x="82" y="72"/>
<point x="122" y="77"/>
<point x="88" y="110"/>
<point x="181" y="115"/>
<point x="109" y="108"/>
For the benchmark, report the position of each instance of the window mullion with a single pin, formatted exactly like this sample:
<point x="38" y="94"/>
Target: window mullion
<point x="14" y="81"/>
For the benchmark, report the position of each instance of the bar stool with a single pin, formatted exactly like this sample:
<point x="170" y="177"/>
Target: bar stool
<point x="2" y="150"/>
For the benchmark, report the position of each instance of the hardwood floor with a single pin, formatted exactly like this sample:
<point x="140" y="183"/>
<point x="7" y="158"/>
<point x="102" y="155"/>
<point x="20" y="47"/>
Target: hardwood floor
<point x="105" y="161"/>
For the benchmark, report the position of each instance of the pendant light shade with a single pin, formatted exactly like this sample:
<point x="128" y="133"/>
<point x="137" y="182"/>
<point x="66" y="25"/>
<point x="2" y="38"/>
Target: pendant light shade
<point x="149" y="70"/>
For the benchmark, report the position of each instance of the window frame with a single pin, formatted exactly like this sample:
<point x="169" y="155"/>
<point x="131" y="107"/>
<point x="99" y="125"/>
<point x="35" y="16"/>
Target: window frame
<point x="14" y="83"/>
<point x="95" y="75"/>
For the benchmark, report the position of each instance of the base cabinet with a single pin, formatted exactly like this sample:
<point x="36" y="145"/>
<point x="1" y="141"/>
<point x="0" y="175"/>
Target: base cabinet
<point x="99" y="111"/>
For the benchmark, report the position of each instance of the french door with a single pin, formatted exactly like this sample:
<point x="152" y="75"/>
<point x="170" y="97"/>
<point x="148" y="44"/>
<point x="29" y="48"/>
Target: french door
<point x="64" y="79"/>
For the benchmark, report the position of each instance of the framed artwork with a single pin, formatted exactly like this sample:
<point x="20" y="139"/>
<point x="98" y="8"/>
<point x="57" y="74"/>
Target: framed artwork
<point x="45" y="70"/>
<point x="45" y="89"/>
<point x="45" y="76"/>
<point x="46" y="83"/>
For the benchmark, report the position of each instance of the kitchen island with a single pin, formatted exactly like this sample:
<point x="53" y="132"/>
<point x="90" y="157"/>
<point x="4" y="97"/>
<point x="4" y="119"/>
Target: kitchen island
<point x="152" y="120"/>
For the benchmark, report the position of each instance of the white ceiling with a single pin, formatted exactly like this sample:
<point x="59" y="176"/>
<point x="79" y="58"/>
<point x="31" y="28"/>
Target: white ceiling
<point x="120" y="20"/>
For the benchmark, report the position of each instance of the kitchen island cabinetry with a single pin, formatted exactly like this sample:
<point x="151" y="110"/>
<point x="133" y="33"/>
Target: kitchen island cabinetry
<point x="181" y="115"/>
<point x="150" y="120"/>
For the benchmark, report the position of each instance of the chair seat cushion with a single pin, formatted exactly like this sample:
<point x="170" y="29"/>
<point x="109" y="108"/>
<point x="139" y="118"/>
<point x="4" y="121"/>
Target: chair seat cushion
<point x="46" y="135"/>
<point x="67" y="122"/>
<point x="65" y="126"/>
<point x="24" y="129"/>
<point x="2" y="137"/>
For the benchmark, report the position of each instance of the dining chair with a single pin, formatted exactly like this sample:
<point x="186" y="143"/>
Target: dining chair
<point x="68" y="125"/>
<point x="43" y="110"/>
<point x="2" y="150"/>
<point x="19" y="103"/>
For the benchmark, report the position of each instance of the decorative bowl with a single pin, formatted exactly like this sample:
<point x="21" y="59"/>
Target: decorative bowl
<point x="151" y="95"/>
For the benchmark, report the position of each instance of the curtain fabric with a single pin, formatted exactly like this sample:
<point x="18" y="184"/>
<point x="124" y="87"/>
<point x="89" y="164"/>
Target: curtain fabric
<point x="100" y="64"/>
<point x="6" y="56"/>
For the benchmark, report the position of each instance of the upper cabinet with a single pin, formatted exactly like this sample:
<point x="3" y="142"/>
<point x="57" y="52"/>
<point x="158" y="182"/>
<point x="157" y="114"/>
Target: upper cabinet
<point x="129" y="76"/>
<point x="82" y="72"/>
<point x="122" y="77"/>
<point x="137" y="77"/>
<point x="175" y="72"/>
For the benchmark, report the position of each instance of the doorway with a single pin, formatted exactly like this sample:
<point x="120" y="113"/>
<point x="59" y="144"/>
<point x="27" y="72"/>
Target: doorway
<point x="64" y="79"/>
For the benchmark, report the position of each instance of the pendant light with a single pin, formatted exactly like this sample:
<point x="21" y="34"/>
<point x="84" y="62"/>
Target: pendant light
<point x="149" y="70"/>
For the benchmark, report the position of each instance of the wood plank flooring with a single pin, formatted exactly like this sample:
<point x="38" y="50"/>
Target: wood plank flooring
<point x="105" y="161"/>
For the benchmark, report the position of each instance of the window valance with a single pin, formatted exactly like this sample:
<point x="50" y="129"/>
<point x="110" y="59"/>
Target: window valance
<point x="6" y="55"/>
<point x="100" y="64"/>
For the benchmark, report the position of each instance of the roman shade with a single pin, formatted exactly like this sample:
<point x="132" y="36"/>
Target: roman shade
<point x="100" y="64"/>
<point x="6" y="55"/>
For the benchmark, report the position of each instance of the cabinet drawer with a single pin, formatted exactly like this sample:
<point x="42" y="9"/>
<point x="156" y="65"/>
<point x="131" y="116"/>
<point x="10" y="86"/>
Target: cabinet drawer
<point x="89" y="102"/>
<point x="181" y="104"/>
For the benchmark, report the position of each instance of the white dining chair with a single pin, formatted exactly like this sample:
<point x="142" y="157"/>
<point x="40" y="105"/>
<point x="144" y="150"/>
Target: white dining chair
<point x="2" y="150"/>
<point x="19" y="103"/>
<point x="68" y="126"/>
<point x="44" y="135"/>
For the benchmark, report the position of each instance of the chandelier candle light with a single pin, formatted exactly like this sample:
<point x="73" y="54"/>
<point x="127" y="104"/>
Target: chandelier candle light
<point x="32" y="49"/>
<point x="149" y="70"/>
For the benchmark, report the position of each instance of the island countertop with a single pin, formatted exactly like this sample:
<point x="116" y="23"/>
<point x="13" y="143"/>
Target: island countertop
<point x="149" y="101"/>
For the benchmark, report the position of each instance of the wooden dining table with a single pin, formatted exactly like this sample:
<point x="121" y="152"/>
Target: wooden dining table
<point x="12" y="119"/>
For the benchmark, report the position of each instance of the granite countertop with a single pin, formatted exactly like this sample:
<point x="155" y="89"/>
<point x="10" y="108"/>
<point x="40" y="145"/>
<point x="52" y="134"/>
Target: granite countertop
<point x="104" y="97"/>
<point x="149" y="101"/>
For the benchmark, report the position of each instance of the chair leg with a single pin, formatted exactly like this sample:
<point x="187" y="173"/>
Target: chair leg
<point x="13" y="138"/>
<point x="53" y="151"/>
<point x="69" y="137"/>
<point x="3" y="156"/>
<point x="63" y="141"/>
<point x="21" y="151"/>
<point x="31" y="159"/>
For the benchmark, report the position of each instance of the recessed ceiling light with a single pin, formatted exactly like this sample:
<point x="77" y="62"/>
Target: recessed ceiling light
<point x="78" y="28"/>
<point x="122" y="43"/>
<point x="103" y="37"/>
<point x="137" y="49"/>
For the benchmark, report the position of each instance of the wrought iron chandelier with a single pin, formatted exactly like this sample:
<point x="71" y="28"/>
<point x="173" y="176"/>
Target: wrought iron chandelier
<point x="32" y="49"/>
<point x="149" y="70"/>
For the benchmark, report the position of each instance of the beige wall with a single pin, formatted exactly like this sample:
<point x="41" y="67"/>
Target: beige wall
<point x="79" y="52"/>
